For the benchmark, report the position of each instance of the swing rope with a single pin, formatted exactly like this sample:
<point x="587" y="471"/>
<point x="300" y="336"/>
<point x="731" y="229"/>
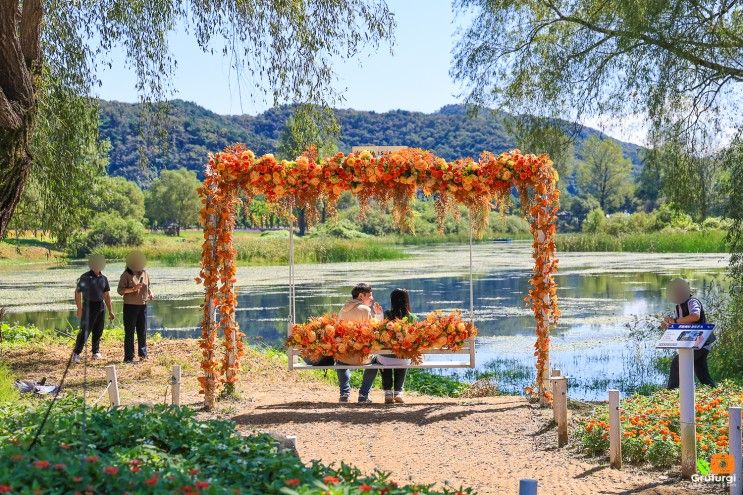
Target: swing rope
<point x="292" y="286"/>
<point x="293" y="290"/>
<point x="472" y="287"/>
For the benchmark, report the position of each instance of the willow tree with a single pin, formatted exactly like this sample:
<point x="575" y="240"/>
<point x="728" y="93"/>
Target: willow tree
<point x="679" y="63"/>
<point x="51" y="52"/>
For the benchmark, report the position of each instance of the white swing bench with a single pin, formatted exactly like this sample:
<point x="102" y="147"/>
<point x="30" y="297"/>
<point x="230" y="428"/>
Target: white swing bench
<point x="297" y="363"/>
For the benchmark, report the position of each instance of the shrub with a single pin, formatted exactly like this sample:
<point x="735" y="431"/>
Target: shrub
<point x="8" y="392"/>
<point x="339" y="229"/>
<point x="107" y="229"/>
<point x="594" y="221"/>
<point x="162" y="449"/>
<point x="508" y="224"/>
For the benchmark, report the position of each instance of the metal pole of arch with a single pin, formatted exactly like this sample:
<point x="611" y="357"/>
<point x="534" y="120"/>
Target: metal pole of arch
<point x="292" y="295"/>
<point x="472" y="296"/>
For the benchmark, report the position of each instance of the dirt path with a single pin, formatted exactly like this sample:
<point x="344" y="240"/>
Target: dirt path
<point x="486" y="443"/>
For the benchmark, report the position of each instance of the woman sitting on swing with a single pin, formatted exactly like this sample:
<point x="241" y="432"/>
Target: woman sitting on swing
<point x="394" y="379"/>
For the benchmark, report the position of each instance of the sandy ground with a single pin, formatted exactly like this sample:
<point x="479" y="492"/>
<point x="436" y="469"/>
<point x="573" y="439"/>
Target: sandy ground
<point x="485" y="443"/>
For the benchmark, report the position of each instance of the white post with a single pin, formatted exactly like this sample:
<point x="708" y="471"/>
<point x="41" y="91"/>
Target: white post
<point x="528" y="487"/>
<point x="734" y="443"/>
<point x="113" y="385"/>
<point x="175" y="383"/>
<point x="688" y="419"/>
<point x="560" y="408"/>
<point x="554" y="373"/>
<point x="615" y="431"/>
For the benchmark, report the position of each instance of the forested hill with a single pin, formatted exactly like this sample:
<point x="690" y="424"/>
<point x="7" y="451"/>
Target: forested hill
<point x="193" y="132"/>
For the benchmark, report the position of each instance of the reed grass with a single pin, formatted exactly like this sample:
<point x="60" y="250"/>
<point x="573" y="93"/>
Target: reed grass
<point x="711" y="241"/>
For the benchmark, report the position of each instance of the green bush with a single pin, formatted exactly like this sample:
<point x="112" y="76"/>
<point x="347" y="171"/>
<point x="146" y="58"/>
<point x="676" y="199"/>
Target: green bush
<point x="594" y="221"/>
<point x="106" y="229"/>
<point x="338" y="229"/>
<point x="162" y="449"/>
<point x="8" y="392"/>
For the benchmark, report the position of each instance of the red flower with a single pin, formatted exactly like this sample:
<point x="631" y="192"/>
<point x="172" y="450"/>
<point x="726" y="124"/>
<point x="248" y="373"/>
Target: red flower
<point x="201" y="484"/>
<point x="77" y="479"/>
<point x="60" y="467"/>
<point x="135" y="469"/>
<point x="5" y="489"/>
<point x="365" y="488"/>
<point x="41" y="464"/>
<point x="152" y="481"/>
<point x="92" y="458"/>
<point x="330" y="480"/>
<point x="111" y="470"/>
<point x="193" y="472"/>
<point x="292" y="482"/>
<point x="64" y="446"/>
<point x="187" y="489"/>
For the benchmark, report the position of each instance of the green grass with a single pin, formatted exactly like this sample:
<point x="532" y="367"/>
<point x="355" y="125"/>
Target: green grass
<point x="255" y="250"/>
<point x="18" y="335"/>
<point x="8" y="392"/>
<point x="712" y="241"/>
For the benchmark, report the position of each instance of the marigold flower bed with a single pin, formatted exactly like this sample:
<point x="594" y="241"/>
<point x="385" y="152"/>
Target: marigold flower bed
<point x="650" y="426"/>
<point x="328" y="336"/>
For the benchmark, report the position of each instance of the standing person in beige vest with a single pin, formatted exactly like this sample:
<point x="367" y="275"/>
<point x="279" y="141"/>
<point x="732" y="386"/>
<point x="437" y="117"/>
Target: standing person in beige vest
<point x="134" y="286"/>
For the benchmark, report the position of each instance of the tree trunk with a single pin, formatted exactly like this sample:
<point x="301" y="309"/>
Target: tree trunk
<point x="20" y="59"/>
<point x="15" y="165"/>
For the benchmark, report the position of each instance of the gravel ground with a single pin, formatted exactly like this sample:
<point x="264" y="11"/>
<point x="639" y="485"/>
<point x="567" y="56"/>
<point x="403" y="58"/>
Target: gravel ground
<point x="488" y="444"/>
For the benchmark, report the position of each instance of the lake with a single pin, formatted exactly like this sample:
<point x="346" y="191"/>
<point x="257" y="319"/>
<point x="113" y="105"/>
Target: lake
<point x="603" y="339"/>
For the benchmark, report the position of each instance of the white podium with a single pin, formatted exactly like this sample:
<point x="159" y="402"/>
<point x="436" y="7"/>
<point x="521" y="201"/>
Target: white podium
<point x="686" y="339"/>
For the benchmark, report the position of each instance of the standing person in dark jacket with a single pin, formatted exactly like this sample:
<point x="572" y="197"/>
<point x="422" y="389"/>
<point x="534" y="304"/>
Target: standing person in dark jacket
<point x="91" y="294"/>
<point x="689" y="310"/>
<point x="134" y="286"/>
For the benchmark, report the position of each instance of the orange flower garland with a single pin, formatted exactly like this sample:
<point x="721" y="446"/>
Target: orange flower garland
<point x="328" y="336"/>
<point x="395" y="176"/>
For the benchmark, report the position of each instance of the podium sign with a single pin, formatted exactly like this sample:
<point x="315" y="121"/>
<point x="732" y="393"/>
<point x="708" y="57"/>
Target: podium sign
<point x="681" y="336"/>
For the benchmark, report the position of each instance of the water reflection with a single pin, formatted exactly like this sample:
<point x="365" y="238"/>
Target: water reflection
<point x="590" y="344"/>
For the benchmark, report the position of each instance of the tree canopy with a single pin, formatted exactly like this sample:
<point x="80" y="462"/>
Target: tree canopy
<point x="591" y="57"/>
<point x="173" y="200"/>
<point x="285" y="49"/>
<point x="605" y="173"/>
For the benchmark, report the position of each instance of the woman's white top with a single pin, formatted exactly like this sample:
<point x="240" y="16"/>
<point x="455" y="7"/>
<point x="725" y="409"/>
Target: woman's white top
<point x="392" y="361"/>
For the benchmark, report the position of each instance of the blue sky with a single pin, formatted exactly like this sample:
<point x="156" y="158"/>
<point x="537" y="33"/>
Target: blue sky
<point x="414" y="77"/>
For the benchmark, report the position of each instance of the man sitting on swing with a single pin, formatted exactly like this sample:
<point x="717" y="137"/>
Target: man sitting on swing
<point x="361" y="307"/>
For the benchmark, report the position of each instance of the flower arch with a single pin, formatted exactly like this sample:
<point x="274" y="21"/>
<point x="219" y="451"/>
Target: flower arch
<point x="395" y="176"/>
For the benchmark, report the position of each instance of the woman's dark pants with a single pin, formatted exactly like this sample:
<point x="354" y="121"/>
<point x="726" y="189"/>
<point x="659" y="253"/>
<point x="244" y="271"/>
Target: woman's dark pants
<point x="396" y="376"/>
<point x="135" y="320"/>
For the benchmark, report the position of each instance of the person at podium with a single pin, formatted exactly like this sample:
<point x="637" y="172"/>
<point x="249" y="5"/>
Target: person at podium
<point x="689" y="310"/>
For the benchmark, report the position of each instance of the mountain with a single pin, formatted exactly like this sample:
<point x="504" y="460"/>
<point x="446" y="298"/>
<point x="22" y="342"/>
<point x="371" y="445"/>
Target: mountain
<point x="182" y="134"/>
